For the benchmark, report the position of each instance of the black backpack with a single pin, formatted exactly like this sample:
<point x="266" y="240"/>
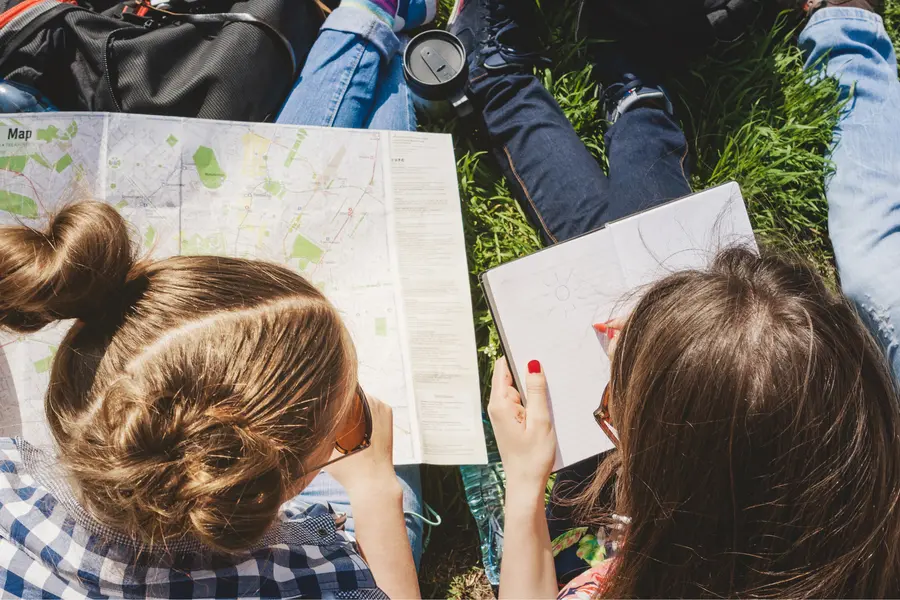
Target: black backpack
<point x="216" y="59"/>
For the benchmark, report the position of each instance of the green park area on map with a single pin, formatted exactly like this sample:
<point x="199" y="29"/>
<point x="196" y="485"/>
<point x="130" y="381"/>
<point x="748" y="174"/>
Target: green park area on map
<point x="306" y="251"/>
<point x="18" y="204"/>
<point x="208" y="169"/>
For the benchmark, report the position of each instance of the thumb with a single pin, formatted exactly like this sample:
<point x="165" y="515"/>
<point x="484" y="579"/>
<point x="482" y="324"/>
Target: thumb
<point x="536" y="393"/>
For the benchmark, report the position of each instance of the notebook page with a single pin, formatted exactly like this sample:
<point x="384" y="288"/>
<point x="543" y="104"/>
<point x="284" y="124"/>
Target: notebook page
<point x="546" y="305"/>
<point x="680" y="235"/>
<point x="595" y="278"/>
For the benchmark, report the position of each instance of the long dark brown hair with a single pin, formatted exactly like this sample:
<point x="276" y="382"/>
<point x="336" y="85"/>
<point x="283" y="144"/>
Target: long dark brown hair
<point x="191" y="393"/>
<point x="759" y="440"/>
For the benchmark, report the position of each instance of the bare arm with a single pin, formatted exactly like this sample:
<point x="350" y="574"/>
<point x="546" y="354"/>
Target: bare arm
<point x="376" y="500"/>
<point x="527" y="570"/>
<point x="381" y="533"/>
<point x="527" y="446"/>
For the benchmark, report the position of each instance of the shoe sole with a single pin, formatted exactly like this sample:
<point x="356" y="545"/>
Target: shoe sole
<point x="455" y="12"/>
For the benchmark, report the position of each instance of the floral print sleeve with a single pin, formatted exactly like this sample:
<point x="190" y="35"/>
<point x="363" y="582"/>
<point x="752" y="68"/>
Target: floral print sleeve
<point x="589" y="585"/>
<point x="593" y="549"/>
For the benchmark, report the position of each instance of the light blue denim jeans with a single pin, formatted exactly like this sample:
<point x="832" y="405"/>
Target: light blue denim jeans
<point x="864" y="193"/>
<point x="354" y="78"/>
<point x="327" y="491"/>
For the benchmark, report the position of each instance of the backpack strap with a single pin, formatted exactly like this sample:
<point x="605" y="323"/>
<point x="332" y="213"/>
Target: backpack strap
<point x="225" y="18"/>
<point x="21" y="22"/>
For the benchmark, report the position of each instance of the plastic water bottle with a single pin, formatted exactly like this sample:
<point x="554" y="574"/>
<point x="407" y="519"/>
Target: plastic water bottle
<point x="19" y="98"/>
<point x="484" y="486"/>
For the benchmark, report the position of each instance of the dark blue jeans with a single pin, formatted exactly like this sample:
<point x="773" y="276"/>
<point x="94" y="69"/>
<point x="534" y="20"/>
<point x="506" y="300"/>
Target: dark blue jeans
<point x="557" y="180"/>
<point x="566" y="193"/>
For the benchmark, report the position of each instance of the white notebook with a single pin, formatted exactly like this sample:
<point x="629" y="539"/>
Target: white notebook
<point x="545" y="305"/>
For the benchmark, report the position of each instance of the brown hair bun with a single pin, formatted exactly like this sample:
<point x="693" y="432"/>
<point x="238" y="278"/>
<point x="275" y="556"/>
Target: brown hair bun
<point x="74" y="269"/>
<point x="223" y="475"/>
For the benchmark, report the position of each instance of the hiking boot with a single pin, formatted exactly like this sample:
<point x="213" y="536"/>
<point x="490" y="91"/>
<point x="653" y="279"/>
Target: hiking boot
<point x="627" y="72"/>
<point x="810" y="6"/>
<point x="499" y="35"/>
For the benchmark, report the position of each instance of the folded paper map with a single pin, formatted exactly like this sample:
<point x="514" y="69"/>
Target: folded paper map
<point x="372" y="218"/>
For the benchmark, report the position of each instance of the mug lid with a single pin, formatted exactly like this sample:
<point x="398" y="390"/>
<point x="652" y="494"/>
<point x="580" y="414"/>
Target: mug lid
<point x="435" y="65"/>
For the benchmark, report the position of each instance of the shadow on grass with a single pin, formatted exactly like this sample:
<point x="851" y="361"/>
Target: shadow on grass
<point x="450" y="566"/>
<point x="753" y="115"/>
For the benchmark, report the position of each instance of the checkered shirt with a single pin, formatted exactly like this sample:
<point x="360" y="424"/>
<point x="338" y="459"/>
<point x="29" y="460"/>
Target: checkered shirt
<point x="51" y="548"/>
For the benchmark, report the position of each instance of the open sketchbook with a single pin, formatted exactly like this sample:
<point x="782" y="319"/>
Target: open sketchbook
<point x="545" y="304"/>
<point x="372" y="218"/>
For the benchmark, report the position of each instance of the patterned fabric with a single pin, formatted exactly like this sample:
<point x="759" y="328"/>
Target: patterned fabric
<point x="592" y="548"/>
<point x="596" y="551"/>
<point x="51" y="548"/>
<point x="589" y="585"/>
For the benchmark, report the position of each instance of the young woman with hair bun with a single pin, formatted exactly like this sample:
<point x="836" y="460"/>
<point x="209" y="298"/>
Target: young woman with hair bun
<point x="191" y="399"/>
<point x="196" y="400"/>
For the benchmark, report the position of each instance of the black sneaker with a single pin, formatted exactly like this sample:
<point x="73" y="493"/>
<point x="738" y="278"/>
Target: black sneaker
<point x="499" y="35"/>
<point x="628" y="77"/>
<point x="630" y="92"/>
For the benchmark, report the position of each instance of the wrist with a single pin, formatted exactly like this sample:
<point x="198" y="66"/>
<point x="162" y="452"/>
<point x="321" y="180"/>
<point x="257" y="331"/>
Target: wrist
<point x="375" y="489"/>
<point x="525" y="496"/>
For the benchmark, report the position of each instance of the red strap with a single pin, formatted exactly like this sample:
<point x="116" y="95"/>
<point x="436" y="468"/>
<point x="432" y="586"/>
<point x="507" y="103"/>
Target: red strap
<point x="15" y="11"/>
<point x="18" y="9"/>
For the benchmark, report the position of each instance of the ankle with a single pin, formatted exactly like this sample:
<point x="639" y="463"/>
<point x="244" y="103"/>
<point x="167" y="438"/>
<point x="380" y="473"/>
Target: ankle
<point x="385" y="10"/>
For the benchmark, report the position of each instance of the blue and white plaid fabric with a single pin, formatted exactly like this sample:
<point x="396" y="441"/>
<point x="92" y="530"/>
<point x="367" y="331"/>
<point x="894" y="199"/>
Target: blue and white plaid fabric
<point x="51" y="548"/>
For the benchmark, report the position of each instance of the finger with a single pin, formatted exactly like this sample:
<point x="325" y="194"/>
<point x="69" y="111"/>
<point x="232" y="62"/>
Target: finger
<point x="501" y="382"/>
<point x="382" y="416"/>
<point x="512" y="396"/>
<point x="536" y="394"/>
<point x="610" y="328"/>
<point x="502" y="377"/>
<point x="616" y="326"/>
<point x="611" y="348"/>
<point x="380" y="410"/>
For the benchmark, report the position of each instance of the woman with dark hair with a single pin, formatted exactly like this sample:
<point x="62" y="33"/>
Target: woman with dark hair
<point x="757" y="447"/>
<point x="755" y="416"/>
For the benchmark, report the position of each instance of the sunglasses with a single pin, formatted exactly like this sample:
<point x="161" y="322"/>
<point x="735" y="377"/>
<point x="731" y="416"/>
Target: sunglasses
<point x="359" y="437"/>
<point x="601" y="415"/>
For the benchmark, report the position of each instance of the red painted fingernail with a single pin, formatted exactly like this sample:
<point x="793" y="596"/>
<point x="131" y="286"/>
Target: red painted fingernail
<point x="600" y="327"/>
<point x="612" y="333"/>
<point x="534" y="367"/>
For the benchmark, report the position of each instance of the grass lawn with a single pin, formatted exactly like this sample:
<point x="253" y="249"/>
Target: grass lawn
<point x="750" y="116"/>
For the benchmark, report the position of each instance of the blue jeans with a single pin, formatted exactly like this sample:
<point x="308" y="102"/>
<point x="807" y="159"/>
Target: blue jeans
<point x="325" y="489"/>
<point x="557" y="180"/>
<point x="354" y="78"/>
<point x="864" y="194"/>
